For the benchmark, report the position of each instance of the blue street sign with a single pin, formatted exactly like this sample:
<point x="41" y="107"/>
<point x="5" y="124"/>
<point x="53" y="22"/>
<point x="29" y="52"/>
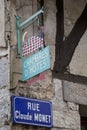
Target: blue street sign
<point x="36" y="63"/>
<point x="31" y="111"/>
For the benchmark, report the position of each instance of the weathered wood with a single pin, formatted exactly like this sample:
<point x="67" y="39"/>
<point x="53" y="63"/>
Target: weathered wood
<point x="59" y="32"/>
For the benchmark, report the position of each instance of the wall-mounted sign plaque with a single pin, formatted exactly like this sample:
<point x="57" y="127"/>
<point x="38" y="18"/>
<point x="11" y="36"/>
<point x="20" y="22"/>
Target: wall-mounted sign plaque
<point x="36" y="63"/>
<point x="31" y="111"/>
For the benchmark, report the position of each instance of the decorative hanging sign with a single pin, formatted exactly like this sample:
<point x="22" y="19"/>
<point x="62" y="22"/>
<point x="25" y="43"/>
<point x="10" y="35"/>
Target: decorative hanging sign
<point x="36" y="63"/>
<point x="32" y="44"/>
<point x="31" y="111"/>
<point x="23" y="25"/>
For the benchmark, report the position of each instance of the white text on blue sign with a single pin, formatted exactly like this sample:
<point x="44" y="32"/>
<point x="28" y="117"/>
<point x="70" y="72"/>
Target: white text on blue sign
<point x="32" y="111"/>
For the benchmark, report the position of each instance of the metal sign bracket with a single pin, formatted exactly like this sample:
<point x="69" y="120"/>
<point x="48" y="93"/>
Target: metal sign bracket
<point x="22" y="25"/>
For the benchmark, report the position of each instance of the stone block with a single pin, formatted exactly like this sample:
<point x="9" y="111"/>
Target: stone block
<point x="74" y="92"/>
<point x="15" y="79"/>
<point x="65" y="114"/>
<point x="68" y="120"/>
<point x="52" y="56"/>
<point x="4" y="107"/>
<point x="44" y="88"/>
<point x="17" y="127"/>
<point x="5" y="128"/>
<point x="57" y="101"/>
<point x="17" y="65"/>
<point x="4" y="71"/>
<point x="2" y="23"/>
<point x="62" y="129"/>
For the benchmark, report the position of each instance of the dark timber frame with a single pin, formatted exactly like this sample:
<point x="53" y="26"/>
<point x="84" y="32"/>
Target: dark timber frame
<point x="65" y="48"/>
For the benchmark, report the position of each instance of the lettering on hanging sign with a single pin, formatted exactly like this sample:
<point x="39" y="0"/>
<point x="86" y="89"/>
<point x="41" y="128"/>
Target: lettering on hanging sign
<point x="36" y="63"/>
<point x="31" y="111"/>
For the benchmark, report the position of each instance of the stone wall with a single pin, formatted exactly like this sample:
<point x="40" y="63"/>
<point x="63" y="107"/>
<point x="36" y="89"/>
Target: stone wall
<point x="65" y="114"/>
<point x="5" y="105"/>
<point x="2" y="30"/>
<point x="63" y="95"/>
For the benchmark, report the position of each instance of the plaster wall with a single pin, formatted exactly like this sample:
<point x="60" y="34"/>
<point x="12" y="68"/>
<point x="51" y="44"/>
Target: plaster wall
<point x="78" y="64"/>
<point x="74" y="91"/>
<point x="2" y="23"/>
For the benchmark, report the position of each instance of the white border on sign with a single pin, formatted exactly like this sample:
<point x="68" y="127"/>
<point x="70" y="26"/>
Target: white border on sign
<point x="50" y="126"/>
